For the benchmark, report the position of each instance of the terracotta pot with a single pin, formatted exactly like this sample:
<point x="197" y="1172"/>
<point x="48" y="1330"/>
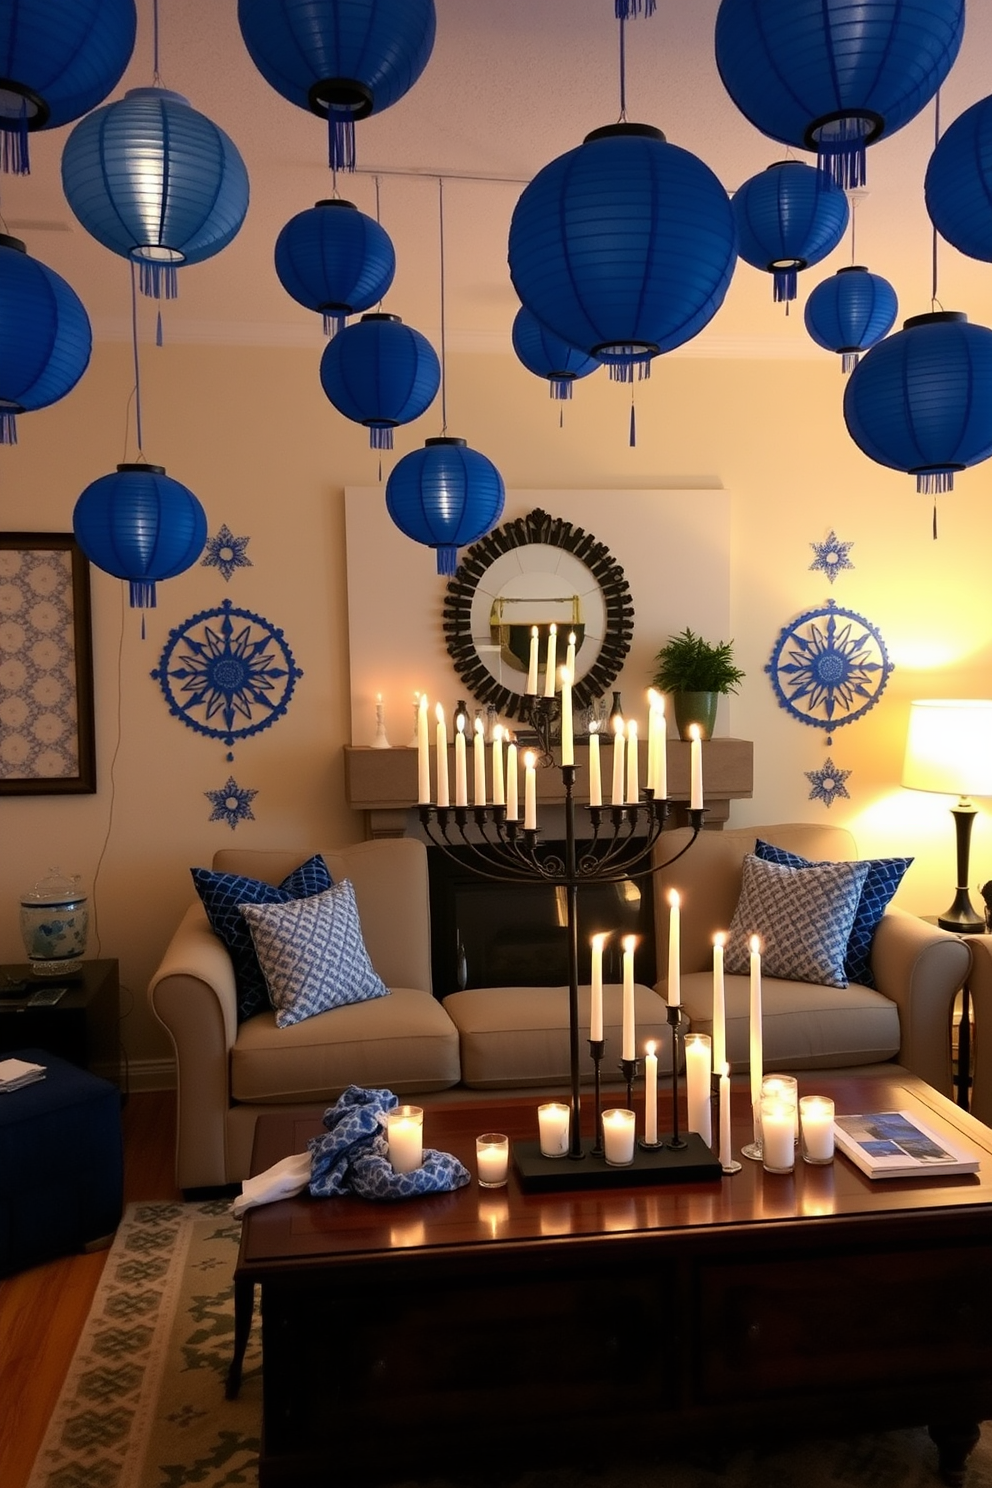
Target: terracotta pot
<point x="695" y="707"/>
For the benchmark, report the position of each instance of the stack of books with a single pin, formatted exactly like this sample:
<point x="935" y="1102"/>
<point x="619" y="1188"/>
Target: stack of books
<point x="17" y="1072"/>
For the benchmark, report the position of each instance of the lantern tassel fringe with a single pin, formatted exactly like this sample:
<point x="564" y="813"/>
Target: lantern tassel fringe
<point x="846" y="166"/>
<point x="849" y="360"/>
<point x="626" y="10"/>
<point x="158" y="281"/>
<point x="8" y="428"/>
<point x="561" y="387"/>
<point x="340" y="141"/>
<point x="935" y="482"/>
<point x="333" y="322"/>
<point x="447" y="559"/>
<point x="627" y="370"/>
<point x="142" y="594"/>
<point x="381" y="436"/>
<point x="783" y="285"/>
<point x="14" y="159"/>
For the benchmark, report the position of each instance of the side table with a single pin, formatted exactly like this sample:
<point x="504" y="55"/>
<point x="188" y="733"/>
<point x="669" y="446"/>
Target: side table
<point x="82" y="1027"/>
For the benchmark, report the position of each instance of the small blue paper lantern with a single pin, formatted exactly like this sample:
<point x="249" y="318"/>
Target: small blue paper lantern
<point x="334" y="259"/>
<point x="156" y="182"/>
<point x="58" y="60"/>
<point x="140" y="525"/>
<point x="958" y="184"/>
<point x="45" y="336"/>
<point x="835" y="75"/>
<point x="445" y="496"/>
<point x="624" y="247"/>
<point x="547" y="355"/>
<point x="921" y="400"/>
<point x="788" y="217"/>
<point x="340" y="59"/>
<point x="849" y="312"/>
<point x="380" y="373"/>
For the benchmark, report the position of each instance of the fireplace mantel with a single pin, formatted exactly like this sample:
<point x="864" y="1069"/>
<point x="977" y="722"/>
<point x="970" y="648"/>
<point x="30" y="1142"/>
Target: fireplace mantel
<point x="383" y="782"/>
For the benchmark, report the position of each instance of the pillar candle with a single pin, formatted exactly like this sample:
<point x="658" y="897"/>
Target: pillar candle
<point x="698" y="1072"/>
<point x="479" y="756"/>
<point x="596" y="988"/>
<point x="530" y="792"/>
<point x="423" y="753"/>
<point x="618" y="762"/>
<point x="512" y="783"/>
<point x="816" y="1118"/>
<point x="755" y="1021"/>
<point x="633" y="775"/>
<point x="405" y="1138"/>
<point x="618" y="1137"/>
<point x="627" y="1041"/>
<point x="499" y="792"/>
<point x="674" y="950"/>
<point x="695" y="769"/>
<point x="778" y="1147"/>
<point x="595" y="774"/>
<point x="532" y="668"/>
<point x="442" y="758"/>
<point x="567" y="735"/>
<point x="719" y="1003"/>
<point x="461" y="776"/>
<point x="726" y="1150"/>
<point x="551" y="666"/>
<point x="651" y="1095"/>
<point x="552" y="1125"/>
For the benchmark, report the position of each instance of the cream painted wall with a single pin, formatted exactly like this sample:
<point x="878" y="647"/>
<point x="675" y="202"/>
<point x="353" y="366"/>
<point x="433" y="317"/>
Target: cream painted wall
<point x="248" y="429"/>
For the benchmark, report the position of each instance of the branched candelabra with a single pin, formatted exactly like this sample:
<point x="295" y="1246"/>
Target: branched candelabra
<point x="620" y="843"/>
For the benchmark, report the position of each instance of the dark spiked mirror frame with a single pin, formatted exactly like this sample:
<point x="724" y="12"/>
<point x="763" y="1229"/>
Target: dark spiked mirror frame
<point x="537" y="527"/>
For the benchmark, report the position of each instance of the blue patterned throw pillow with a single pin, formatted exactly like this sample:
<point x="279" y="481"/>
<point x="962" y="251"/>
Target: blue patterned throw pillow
<point x="312" y="954"/>
<point x="884" y="877"/>
<point x="224" y="893"/>
<point x="803" y="920"/>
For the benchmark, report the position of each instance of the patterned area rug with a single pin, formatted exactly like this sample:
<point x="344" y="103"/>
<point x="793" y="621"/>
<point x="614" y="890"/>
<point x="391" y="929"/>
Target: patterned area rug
<point x="143" y="1403"/>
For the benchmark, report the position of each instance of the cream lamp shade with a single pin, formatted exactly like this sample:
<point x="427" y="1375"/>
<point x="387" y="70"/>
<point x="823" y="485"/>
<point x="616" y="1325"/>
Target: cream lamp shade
<point x="949" y="747"/>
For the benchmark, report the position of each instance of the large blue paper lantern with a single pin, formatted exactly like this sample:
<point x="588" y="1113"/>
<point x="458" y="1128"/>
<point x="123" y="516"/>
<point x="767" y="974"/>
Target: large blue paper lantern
<point x="958" y="185"/>
<point x="624" y="247"/>
<point x="156" y="182"/>
<point x="334" y="259"/>
<point x="58" y="60"/>
<point x="849" y="312"/>
<point x="547" y="355"/>
<point x="921" y="400"/>
<point x="835" y="75"/>
<point x="45" y="336"/>
<point x="140" y="525"/>
<point x="380" y="373"/>
<point x="340" y="59"/>
<point x="788" y="217"/>
<point x="445" y="496"/>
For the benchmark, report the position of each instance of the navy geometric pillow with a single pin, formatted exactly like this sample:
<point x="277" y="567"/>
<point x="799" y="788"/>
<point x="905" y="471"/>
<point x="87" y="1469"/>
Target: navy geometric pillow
<point x="884" y="877"/>
<point x="224" y="893"/>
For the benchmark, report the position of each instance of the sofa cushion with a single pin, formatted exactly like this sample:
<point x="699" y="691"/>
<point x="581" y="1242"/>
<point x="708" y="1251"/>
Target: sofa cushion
<point x="803" y="920"/>
<point x="404" y="1042"/>
<point x="520" y="1035"/>
<point x="883" y="878"/>
<point x="312" y="954"/>
<point x="224" y="893"/>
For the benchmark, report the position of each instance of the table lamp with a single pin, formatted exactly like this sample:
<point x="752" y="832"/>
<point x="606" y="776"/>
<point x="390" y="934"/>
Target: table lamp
<point x="949" y="750"/>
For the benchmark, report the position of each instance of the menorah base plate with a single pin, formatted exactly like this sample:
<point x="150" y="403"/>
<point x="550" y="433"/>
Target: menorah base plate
<point x="693" y="1163"/>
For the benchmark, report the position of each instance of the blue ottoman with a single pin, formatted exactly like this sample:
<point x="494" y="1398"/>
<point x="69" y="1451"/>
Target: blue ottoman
<point x="61" y="1163"/>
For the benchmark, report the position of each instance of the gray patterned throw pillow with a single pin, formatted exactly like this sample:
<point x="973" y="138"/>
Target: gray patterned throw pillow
<point x="312" y="953"/>
<point x="803" y="919"/>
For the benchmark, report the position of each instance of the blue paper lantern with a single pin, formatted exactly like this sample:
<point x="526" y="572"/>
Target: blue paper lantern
<point x="445" y="496"/>
<point x="548" y="356"/>
<point x="921" y="400"/>
<point x="58" y="60"/>
<point x="958" y="185"/>
<point x="141" y="525"/>
<point x="334" y="259"/>
<point x="849" y="312"/>
<point x="340" y="59"/>
<point x="45" y="336"/>
<point x="380" y="373"/>
<point x="835" y="75"/>
<point x="788" y="217"/>
<point x="624" y="247"/>
<point x="156" y="182"/>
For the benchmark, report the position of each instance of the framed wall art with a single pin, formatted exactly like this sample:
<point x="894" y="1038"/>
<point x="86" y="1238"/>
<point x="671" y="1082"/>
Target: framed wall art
<point x="47" y="742"/>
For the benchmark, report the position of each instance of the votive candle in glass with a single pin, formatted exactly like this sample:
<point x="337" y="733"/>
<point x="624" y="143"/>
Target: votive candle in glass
<point x="816" y="1125"/>
<point x="786" y="1086"/>
<point x="405" y="1138"/>
<point x="618" y="1137"/>
<point x="698" y="1073"/>
<point x="778" y="1149"/>
<point x="552" y="1123"/>
<point x="492" y="1153"/>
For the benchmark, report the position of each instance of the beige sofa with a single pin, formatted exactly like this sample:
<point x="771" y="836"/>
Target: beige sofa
<point x="500" y="1039"/>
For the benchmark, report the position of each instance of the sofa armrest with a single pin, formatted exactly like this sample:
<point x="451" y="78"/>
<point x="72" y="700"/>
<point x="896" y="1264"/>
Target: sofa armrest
<point x="980" y="986"/>
<point x="921" y="968"/>
<point x="193" y="994"/>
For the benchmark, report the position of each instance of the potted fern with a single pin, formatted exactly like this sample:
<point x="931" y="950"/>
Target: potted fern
<point x="695" y="672"/>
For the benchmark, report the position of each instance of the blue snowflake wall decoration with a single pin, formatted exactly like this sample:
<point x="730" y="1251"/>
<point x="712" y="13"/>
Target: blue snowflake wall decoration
<point x="829" y="667"/>
<point x="831" y="556"/>
<point x="226" y="552"/>
<point x="232" y="803"/>
<point x="827" y="783"/>
<point x="227" y="672"/>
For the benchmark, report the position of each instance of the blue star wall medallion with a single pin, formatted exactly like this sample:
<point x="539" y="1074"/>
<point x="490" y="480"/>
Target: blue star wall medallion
<point x="232" y="803"/>
<point x="829" y="667"/>
<point x="827" y="782"/>
<point x="226" y="552"/>
<point x="227" y="673"/>
<point x="831" y="556"/>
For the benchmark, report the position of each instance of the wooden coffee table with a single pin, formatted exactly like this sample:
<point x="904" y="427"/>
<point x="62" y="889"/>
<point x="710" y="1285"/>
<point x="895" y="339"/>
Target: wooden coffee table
<point x="487" y="1325"/>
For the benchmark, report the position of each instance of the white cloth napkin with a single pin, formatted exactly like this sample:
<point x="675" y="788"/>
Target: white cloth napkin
<point x="282" y="1181"/>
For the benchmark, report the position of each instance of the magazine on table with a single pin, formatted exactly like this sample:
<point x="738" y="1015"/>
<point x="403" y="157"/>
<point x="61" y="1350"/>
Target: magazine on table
<point x="895" y="1144"/>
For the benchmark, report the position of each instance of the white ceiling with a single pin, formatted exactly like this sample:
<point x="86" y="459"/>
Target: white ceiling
<point x="511" y="84"/>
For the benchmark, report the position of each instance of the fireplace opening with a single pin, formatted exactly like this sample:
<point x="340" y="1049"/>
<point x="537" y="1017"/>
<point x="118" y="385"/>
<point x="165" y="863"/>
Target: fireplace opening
<point x="491" y="934"/>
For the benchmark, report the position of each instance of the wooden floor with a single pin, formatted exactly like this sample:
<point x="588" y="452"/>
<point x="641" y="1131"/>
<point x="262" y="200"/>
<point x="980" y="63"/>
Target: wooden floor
<point x="43" y="1310"/>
